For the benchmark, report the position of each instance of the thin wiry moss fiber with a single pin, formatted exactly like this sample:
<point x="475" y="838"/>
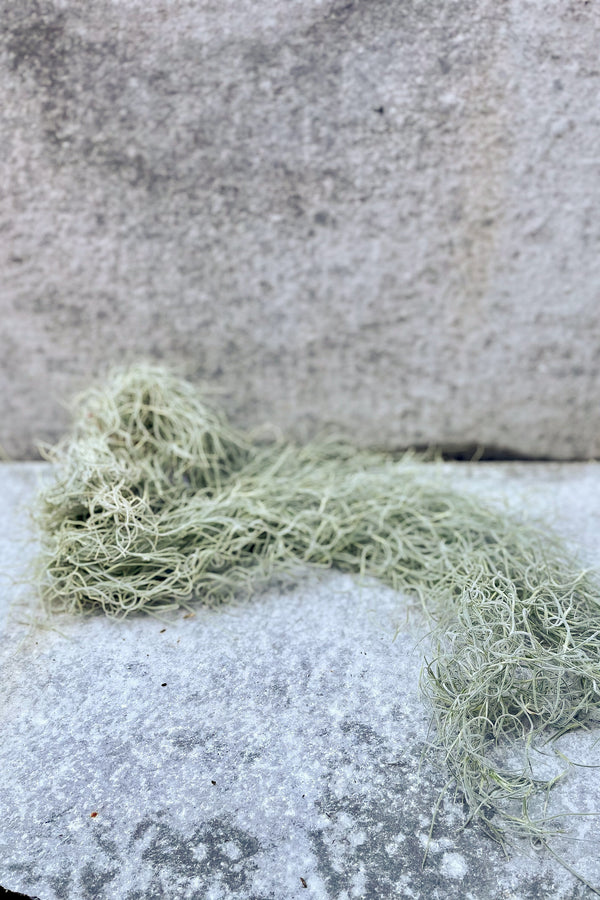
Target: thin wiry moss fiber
<point x="158" y="502"/>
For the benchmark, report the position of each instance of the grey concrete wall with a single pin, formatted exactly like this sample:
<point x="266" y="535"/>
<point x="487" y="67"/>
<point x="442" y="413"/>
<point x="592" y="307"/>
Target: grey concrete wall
<point x="381" y="215"/>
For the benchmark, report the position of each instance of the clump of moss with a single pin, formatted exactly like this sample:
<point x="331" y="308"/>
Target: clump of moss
<point x="158" y="502"/>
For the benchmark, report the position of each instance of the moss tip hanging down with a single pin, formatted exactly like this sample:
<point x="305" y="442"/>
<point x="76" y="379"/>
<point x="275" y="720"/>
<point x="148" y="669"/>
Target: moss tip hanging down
<point x="158" y="501"/>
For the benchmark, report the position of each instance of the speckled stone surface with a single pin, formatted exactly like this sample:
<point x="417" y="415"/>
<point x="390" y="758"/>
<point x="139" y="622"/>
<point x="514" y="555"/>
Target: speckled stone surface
<point x="270" y="749"/>
<point x="378" y="215"/>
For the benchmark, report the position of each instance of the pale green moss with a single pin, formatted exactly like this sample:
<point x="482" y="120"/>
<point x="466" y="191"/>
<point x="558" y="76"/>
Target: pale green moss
<point x="158" y="502"/>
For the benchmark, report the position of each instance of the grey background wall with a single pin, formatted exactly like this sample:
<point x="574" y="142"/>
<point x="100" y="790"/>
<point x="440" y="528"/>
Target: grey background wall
<point x="377" y="215"/>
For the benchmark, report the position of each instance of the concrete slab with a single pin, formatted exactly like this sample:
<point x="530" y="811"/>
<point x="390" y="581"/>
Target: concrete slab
<point x="379" y="216"/>
<point x="267" y="750"/>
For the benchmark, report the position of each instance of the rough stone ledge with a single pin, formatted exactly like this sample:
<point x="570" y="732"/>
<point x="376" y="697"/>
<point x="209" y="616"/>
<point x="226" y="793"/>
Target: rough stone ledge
<point x="267" y="750"/>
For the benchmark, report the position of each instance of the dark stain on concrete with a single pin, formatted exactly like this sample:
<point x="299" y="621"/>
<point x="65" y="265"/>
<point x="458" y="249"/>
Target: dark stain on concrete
<point x="29" y="876"/>
<point x="216" y="849"/>
<point x="190" y="741"/>
<point x="93" y="880"/>
<point x="383" y="845"/>
<point x="62" y="885"/>
<point x="37" y="43"/>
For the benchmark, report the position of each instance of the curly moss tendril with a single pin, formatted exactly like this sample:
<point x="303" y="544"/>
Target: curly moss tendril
<point x="158" y="502"/>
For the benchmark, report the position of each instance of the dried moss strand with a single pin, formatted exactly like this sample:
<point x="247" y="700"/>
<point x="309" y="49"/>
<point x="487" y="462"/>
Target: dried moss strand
<point x="157" y="502"/>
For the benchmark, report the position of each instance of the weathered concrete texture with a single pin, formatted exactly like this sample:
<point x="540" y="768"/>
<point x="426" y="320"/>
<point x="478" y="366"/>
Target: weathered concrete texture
<point x="266" y="750"/>
<point x="378" y="215"/>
